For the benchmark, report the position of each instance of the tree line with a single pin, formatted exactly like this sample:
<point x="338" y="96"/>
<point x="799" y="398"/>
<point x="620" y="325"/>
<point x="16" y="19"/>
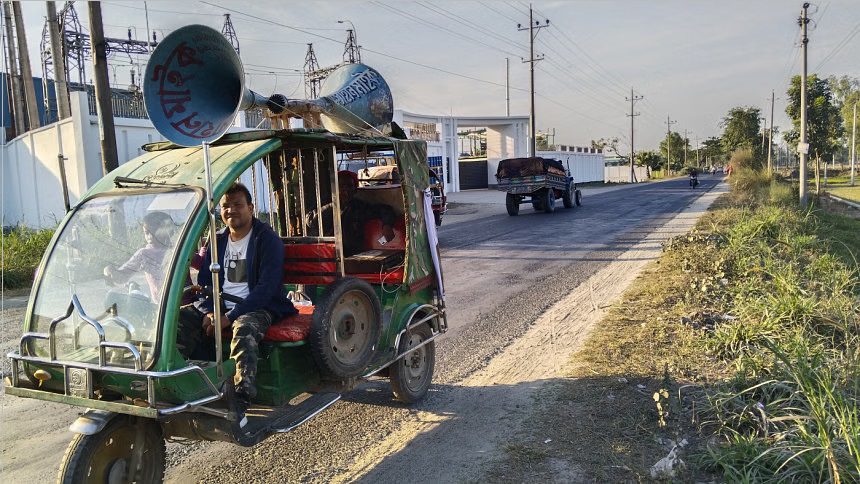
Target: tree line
<point x="830" y="112"/>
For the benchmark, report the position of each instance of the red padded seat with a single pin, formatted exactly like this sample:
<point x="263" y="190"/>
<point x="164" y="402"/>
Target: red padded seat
<point x="292" y="328"/>
<point x="310" y="263"/>
<point x="394" y="276"/>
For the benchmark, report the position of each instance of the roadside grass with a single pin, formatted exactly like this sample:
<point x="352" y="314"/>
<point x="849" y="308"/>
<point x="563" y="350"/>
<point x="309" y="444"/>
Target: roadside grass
<point x="22" y="251"/>
<point x="739" y="350"/>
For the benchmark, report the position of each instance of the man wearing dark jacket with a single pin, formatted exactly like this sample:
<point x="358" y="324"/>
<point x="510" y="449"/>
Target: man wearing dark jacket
<point x="251" y="256"/>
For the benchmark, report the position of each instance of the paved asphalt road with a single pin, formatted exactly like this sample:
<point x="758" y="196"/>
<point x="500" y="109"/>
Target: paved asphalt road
<point x="501" y="273"/>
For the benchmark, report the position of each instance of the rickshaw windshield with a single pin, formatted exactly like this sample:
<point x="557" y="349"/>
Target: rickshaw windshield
<point x="114" y="254"/>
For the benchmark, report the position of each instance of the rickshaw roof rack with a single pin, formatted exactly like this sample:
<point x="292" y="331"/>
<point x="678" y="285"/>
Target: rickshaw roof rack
<point x="344" y="142"/>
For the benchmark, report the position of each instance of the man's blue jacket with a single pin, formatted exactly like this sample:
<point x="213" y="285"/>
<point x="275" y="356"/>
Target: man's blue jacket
<point x="265" y="274"/>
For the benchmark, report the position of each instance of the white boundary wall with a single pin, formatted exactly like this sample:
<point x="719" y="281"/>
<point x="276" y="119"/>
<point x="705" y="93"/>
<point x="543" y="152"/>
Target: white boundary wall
<point x="584" y="167"/>
<point x="621" y="174"/>
<point x="32" y="190"/>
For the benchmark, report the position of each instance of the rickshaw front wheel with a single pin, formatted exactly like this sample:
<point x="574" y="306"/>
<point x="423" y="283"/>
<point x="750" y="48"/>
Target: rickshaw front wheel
<point x="106" y="456"/>
<point x="412" y="375"/>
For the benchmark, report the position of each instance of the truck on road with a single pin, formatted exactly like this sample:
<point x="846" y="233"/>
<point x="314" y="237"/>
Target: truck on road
<point x="536" y="180"/>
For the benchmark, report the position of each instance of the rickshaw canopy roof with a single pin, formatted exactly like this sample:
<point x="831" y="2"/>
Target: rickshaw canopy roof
<point x="165" y="163"/>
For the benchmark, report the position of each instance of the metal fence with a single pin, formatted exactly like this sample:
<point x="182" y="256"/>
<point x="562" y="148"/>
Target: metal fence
<point x="122" y="105"/>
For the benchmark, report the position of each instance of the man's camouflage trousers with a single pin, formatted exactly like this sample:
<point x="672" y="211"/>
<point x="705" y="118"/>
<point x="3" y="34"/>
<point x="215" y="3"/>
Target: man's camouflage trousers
<point x="248" y="330"/>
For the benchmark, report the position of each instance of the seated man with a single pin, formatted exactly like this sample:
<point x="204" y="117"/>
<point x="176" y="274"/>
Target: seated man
<point x="355" y="213"/>
<point x="252" y="258"/>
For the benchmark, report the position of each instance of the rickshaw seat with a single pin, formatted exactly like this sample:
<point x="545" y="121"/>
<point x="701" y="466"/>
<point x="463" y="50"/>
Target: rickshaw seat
<point x="292" y="328"/>
<point x="310" y="263"/>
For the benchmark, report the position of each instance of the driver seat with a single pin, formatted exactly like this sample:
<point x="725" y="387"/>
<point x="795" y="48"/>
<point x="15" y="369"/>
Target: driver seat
<point x="292" y="329"/>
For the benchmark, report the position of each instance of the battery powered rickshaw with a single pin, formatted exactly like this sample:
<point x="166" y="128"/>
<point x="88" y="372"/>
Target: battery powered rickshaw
<point x="109" y="344"/>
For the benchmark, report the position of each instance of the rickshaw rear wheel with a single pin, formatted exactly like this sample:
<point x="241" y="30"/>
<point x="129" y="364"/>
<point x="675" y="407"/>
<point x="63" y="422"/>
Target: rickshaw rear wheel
<point x="105" y="457"/>
<point x="412" y="375"/>
<point x="345" y="329"/>
<point x="437" y="217"/>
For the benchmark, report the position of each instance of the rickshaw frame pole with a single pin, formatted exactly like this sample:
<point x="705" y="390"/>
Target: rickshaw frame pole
<point x="214" y="266"/>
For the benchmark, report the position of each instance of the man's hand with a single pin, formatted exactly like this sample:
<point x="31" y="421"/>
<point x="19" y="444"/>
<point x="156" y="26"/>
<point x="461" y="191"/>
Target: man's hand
<point x="209" y="327"/>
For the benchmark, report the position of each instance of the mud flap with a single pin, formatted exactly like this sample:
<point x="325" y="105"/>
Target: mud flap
<point x="92" y="422"/>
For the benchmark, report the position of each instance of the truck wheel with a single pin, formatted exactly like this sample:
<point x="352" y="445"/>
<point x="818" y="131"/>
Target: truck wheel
<point x="345" y="329"/>
<point x="411" y="375"/>
<point x="567" y="196"/>
<point x="106" y="456"/>
<point x="512" y="203"/>
<point x="549" y="201"/>
<point x="578" y="198"/>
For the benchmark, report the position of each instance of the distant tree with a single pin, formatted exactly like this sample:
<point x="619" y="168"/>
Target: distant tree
<point x="846" y="92"/>
<point x="651" y="159"/>
<point x="742" y="129"/>
<point x="542" y="142"/>
<point x="604" y="143"/>
<point x="712" y="151"/>
<point x="673" y="145"/>
<point x="824" y="121"/>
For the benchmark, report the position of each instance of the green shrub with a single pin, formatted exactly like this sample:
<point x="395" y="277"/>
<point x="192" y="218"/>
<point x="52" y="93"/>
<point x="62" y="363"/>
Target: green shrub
<point x="22" y="251"/>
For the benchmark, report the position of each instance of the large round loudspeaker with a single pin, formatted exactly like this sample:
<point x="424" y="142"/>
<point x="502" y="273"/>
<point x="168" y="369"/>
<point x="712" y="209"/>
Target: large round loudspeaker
<point x="358" y="99"/>
<point x="194" y="86"/>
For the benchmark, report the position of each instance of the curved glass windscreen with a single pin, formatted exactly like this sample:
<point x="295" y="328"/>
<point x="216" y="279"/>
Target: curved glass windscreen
<point x="114" y="255"/>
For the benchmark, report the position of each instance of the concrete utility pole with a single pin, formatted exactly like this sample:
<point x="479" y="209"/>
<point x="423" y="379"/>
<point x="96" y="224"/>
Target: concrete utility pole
<point x="686" y="142"/>
<point x="61" y="87"/>
<point x="803" y="146"/>
<point x="533" y="28"/>
<point x="770" y="136"/>
<point x="507" y="87"/>
<point x="107" y="134"/>
<point x="17" y="94"/>
<point x="26" y="73"/>
<point x="633" y="98"/>
<point x="669" y="124"/>
<point x="698" y="161"/>
<point x="853" y="143"/>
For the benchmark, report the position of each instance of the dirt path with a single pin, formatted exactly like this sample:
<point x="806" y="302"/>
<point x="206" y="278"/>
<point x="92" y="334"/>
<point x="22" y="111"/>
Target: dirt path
<point x="465" y="427"/>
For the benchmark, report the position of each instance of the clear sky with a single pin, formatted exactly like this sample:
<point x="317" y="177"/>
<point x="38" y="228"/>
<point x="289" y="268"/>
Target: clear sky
<point x="691" y="59"/>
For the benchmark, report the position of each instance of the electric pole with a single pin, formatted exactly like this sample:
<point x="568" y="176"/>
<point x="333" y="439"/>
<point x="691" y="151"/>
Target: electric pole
<point x="533" y="28"/>
<point x="803" y="146"/>
<point x="686" y="142"/>
<point x="507" y="87"/>
<point x="61" y="87"/>
<point x="633" y="98"/>
<point x="669" y="124"/>
<point x="16" y="94"/>
<point x="770" y="136"/>
<point x="26" y="73"/>
<point x="107" y="134"/>
<point x="229" y="33"/>
<point x="853" y="143"/>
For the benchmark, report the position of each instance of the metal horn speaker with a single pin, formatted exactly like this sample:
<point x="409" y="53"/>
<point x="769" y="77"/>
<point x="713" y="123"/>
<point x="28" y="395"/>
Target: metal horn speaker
<point x="355" y="98"/>
<point x="194" y="86"/>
